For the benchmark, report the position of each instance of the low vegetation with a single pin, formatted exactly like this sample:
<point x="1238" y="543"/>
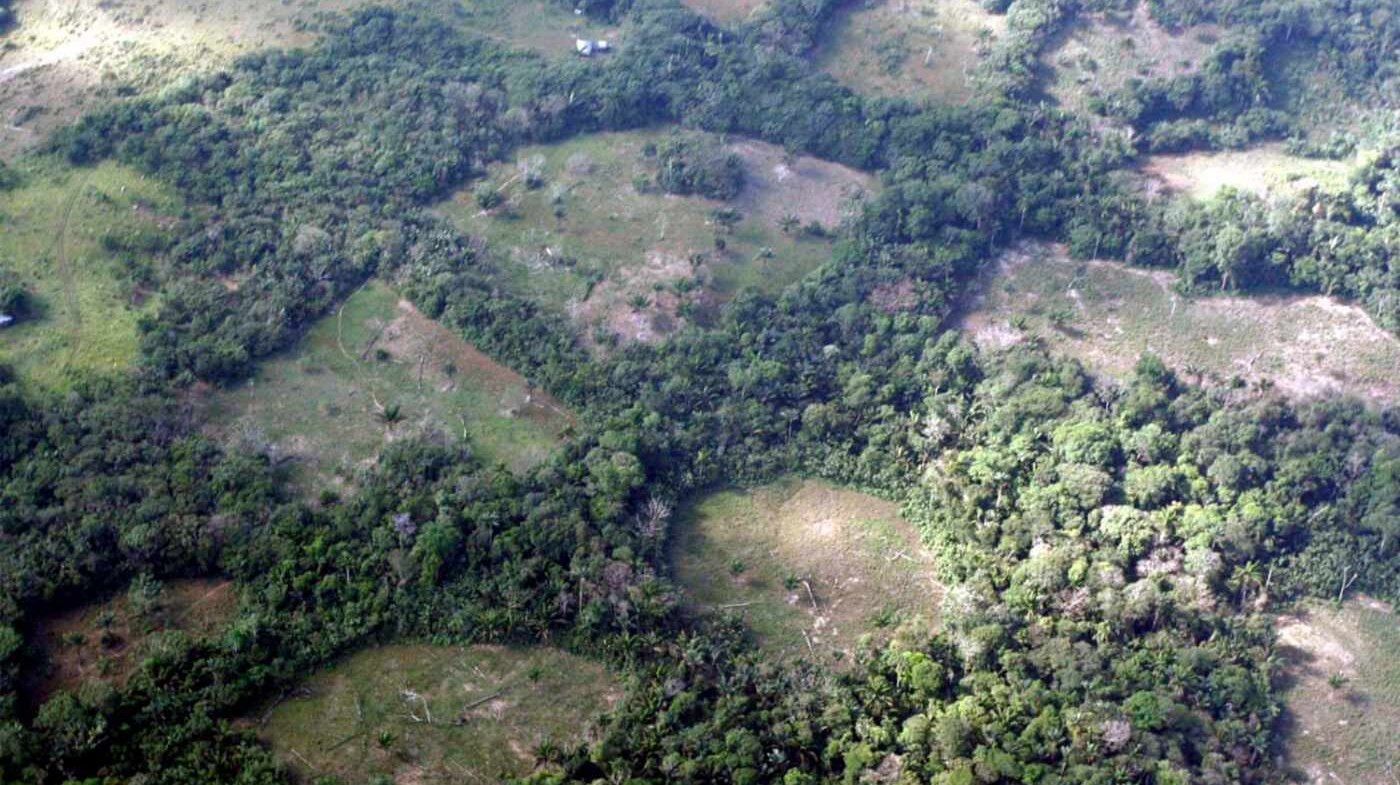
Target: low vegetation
<point x="1264" y="170"/>
<point x="83" y="245"/>
<point x="1341" y="693"/>
<point x="437" y="714"/>
<point x="811" y="568"/>
<point x="724" y="11"/>
<point x="104" y="643"/>
<point x="922" y="50"/>
<point x="584" y="228"/>
<point x="1108" y="315"/>
<point x="378" y="371"/>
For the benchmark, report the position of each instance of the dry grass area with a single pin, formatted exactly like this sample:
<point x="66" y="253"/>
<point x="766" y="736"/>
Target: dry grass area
<point x="630" y="263"/>
<point x="325" y="406"/>
<point x="437" y="714"/>
<point x="105" y="642"/>
<point x="1341" y="692"/>
<point x="1100" y="52"/>
<point x="810" y="567"/>
<point x="1265" y="170"/>
<point x="1107" y="315"/>
<point x="922" y="50"/>
<point x="724" y="10"/>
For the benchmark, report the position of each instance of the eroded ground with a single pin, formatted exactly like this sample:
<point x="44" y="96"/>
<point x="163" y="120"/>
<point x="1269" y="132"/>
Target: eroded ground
<point x="810" y="567"/>
<point x="1107" y="315"/>
<point x="437" y="714"/>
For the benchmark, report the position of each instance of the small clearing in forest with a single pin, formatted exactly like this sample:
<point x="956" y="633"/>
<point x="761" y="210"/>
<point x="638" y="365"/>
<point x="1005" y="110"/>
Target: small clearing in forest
<point x="724" y="11"/>
<point x="921" y="50"/>
<point x="809" y="566"/>
<point x="1264" y="171"/>
<point x="1340" y="685"/>
<point x="105" y="642"/>
<point x="438" y="714"/>
<point x="582" y="229"/>
<point x="376" y="371"/>
<point x="1107" y="315"/>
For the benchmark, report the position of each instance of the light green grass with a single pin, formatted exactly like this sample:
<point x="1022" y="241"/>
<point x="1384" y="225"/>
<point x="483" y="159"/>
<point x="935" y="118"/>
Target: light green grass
<point x="323" y="403"/>
<point x="587" y="241"/>
<point x="921" y="50"/>
<point x="51" y="232"/>
<point x="758" y="552"/>
<point x="1265" y="170"/>
<point x="1342" y="732"/>
<point x="1108" y="315"/>
<point x="490" y="708"/>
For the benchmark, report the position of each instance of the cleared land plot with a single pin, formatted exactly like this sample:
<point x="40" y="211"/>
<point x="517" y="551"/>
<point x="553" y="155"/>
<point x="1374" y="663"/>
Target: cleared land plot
<point x="811" y="567"/>
<point x="375" y="371"/>
<point x="724" y="10"/>
<point x="105" y="642"/>
<point x="921" y="50"/>
<point x="68" y="56"/>
<point x="1341" y="693"/>
<point x="627" y="262"/>
<point x="58" y="233"/>
<point x="1101" y="52"/>
<point x="438" y="714"/>
<point x="1107" y="315"/>
<point x="1265" y="171"/>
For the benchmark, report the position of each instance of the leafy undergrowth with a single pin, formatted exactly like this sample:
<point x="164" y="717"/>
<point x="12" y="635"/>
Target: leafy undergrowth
<point x="1341" y="692"/>
<point x="914" y="49"/>
<point x="810" y="567"/>
<point x="438" y="714"/>
<point x="1108" y="315"/>
<point x="575" y="232"/>
<point x="377" y="370"/>
<point x="77" y="240"/>
<point x="105" y="642"/>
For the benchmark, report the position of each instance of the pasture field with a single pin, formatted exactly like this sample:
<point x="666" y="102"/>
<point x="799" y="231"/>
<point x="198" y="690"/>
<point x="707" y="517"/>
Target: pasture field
<point x="65" y="57"/>
<point x="1107" y="315"/>
<point x="1341" y="693"/>
<point x="810" y="567"/>
<point x="922" y="50"/>
<point x="581" y="230"/>
<point x="375" y="371"/>
<point x="1265" y="170"/>
<point x="76" y="240"/>
<point x="437" y="714"/>
<point x="1101" y="52"/>
<point x="105" y="642"/>
<point x="724" y="11"/>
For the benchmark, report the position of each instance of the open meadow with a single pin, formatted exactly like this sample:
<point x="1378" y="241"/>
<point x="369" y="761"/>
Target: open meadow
<point x="810" y="567"/>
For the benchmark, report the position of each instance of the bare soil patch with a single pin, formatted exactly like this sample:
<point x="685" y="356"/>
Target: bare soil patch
<point x="1107" y="315"/>
<point x="811" y="567"/>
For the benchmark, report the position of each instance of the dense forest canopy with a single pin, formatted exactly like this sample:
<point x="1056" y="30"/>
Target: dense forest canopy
<point x="1113" y="552"/>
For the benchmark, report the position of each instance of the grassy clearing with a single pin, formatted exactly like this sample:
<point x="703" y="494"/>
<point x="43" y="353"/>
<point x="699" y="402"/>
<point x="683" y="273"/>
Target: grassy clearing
<point x="622" y="261"/>
<point x="1341" y="692"/>
<point x="922" y="50"/>
<point x="68" y="56"/>
<point x="810" y="567"/>
<point x="328" y="403"/>
<point x="1107" y="315"/>
<point x="105" y="642"/>
<point x="52" y="232"/>
<point x="1265" y="170"/>
<point x="1099" y="53"/>
<point x="490" y="707"/>
<point x="724" y="10"/>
